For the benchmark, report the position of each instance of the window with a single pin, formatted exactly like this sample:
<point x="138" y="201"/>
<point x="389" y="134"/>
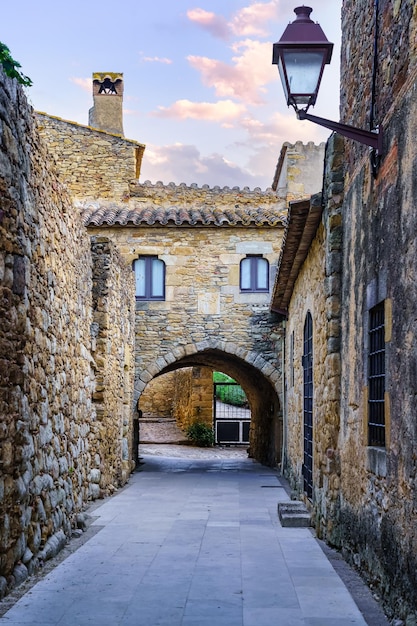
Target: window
<point x="150" y="278"/>
<point x="308" y="400"/>
<point x="376" y="376"/>
<point x="254" y="274"/>
<point x="292" y="359"/>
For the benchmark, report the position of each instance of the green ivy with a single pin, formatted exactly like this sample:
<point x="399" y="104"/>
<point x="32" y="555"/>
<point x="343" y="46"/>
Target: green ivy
<point x="229" y="394"/>
<point x="10" y="66"/>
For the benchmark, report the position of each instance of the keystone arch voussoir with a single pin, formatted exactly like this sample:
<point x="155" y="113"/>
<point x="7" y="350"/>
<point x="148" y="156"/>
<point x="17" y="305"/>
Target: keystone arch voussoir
<point x="229" y="348"/>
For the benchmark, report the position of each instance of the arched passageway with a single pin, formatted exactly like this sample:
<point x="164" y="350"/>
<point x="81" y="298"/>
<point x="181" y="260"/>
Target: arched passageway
<point x="261" y="391"/>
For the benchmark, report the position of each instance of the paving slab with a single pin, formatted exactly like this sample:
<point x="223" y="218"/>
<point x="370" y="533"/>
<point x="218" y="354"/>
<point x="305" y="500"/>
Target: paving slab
<point x="190" y="542"/>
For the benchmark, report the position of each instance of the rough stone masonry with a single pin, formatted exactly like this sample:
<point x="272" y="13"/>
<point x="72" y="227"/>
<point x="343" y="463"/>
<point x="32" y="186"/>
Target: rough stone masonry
<point x="54" y="350"/>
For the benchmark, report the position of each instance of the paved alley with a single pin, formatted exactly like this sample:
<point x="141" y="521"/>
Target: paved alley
<point x="192" y="542"/>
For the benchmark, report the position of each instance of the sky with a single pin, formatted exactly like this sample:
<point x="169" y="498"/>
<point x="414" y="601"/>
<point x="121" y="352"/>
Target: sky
<point x="200" y="90"/>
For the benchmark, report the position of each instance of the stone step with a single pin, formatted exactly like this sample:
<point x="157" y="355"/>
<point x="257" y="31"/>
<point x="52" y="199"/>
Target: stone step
<point x="294" y="514"/>
<point x="157" y="420"/>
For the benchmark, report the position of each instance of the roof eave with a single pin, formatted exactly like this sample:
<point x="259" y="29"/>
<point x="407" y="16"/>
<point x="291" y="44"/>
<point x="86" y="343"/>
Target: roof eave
<point x="303" y="219"/>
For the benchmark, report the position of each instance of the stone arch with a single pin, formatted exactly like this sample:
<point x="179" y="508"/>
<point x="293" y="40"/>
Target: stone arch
<point x="260" y="380"/>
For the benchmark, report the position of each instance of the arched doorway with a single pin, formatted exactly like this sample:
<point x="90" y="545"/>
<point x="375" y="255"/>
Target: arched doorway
<point x="266" y="417"/>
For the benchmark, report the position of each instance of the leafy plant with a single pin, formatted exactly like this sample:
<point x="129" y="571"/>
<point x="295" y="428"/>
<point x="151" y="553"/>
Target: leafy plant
<point x="229" y="394"/>
<point x="11" y="66"/>
<point x="219" y="377"/>
<point x="200" y="435"/>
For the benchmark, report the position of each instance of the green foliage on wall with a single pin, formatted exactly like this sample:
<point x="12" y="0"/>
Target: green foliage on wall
<point x="219" y="377"/>
<point x="11" y="66"/>
<point x="229" y="394"/>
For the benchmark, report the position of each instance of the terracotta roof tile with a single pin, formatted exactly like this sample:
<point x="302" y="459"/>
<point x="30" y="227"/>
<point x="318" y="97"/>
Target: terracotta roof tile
<point x="98" y="214"/>
<point x="182" y="205"/>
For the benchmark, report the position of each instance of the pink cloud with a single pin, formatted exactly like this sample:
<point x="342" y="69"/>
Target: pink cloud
<point x="130" y="112"/>
<point x="164" y="60"/>
<point x="245" y="79"/>
<point x="168" y="163"/>
<point x="281" y="128"/>
<point x="211" y="111"/>
<point x="261" y="147"/>
<point x="252" y="20"/>
<point x="85" y="83"/>
<point x="214" y="24"/>
<point x="264" y="140"/>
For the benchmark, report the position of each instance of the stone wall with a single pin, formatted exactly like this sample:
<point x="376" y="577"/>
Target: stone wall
<point x="203" y="298"/>
<point x="46" y="365"/>
<point x="54" y="457"/>
<point x="113" y="352"/>
<point x="318" y="290"/>
<point x="92" y="163"/>
<point x="186" y="395"/>
<point x="204" y="310"/>
<point x="378" y="506"/>
<point x="202" y="290"/>
<point x="193" y="399"/>
<point x="299" y="170"/>
<point x="396" y="64"/>
<point x="312" y="274"/>
<point x="158" y="396"/>
<point x="378" y="511"/>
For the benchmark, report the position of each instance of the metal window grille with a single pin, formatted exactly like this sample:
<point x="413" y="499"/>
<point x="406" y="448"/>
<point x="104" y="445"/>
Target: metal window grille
<point x="231" y="414"/>
<point x="292" y="360"/>
<point x="376" y="377"/>
<point x="308" y="406"/>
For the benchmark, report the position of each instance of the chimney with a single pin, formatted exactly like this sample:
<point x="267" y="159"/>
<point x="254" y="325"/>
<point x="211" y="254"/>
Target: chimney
<point x="107" y="112"/>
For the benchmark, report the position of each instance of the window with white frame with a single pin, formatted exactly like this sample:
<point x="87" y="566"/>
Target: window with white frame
<point x="254" y="274"/>
<point x="150" y="278"/>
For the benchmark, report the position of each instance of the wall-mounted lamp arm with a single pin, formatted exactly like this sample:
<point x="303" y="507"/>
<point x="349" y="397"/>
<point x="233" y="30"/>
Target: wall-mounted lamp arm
<point x="367" y="137"/>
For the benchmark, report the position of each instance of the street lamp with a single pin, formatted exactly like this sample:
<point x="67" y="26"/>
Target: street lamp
<point x="301" y="54"/>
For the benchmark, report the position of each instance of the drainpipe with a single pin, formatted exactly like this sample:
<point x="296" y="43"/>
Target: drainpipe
<point x="284" y="400"/>
<point x="372" y="114"/>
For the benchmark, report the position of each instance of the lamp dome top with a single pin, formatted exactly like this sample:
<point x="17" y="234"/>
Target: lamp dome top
<point x="303" y="13"/>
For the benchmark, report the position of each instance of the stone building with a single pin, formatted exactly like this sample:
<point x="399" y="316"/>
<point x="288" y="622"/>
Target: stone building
<point x="203" y="244"/>
<point x="78" y="343"/>
<point x="346" y="283"/>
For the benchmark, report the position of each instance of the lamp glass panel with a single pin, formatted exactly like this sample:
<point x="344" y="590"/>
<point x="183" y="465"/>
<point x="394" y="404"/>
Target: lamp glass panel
<point x="303" y="70"/>
<point x="283" y="77"/>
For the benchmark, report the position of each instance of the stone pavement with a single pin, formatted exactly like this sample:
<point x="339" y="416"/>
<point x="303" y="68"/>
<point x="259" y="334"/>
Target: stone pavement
<point x="192" y="542"/>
